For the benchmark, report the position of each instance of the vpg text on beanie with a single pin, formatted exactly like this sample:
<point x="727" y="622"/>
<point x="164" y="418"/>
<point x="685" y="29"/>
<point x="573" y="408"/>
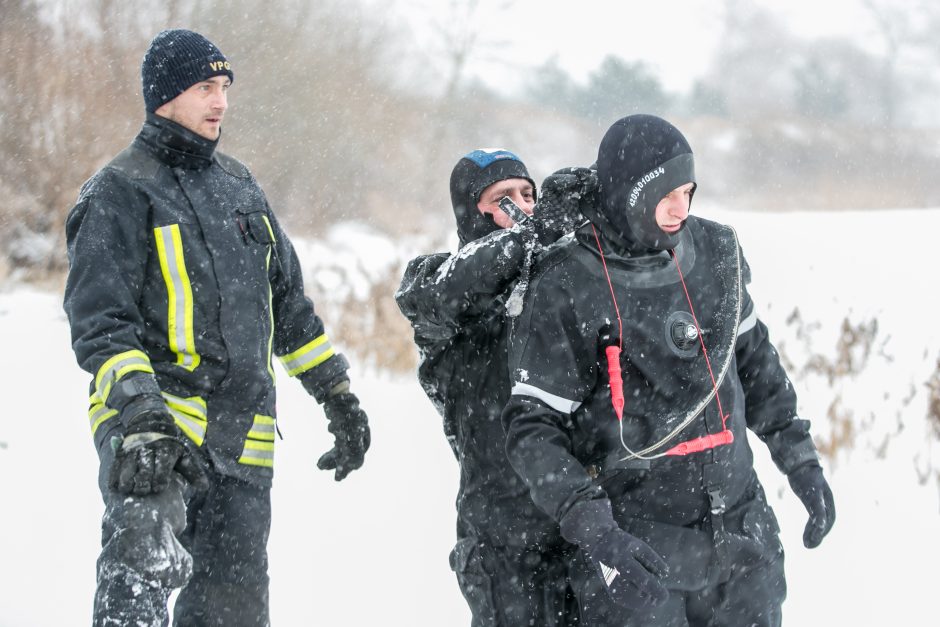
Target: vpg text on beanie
<point x="475" y="172"/>
<point x="175" y="61"/>
<point x="640" y="160"/>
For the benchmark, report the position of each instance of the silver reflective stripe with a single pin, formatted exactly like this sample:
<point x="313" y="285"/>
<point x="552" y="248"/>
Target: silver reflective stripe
<point x="259" y="445"/>
<point x="117" y="367"/>
<point x="179" y="295"/>
<point x="194" y="429"/>
<point x="98" y="415"/>
<point x="554" y="401"/>
<point x="310" y="355"/>
<point x="189" y="405"/>
<point x="748" y="323"/>
<point x="262" y="430"/>
<point x="250" y="453"/>
<point x="258" y="454"/>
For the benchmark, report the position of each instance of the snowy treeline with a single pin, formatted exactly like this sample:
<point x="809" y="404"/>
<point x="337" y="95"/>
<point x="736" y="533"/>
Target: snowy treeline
<point x="343" y="115"/>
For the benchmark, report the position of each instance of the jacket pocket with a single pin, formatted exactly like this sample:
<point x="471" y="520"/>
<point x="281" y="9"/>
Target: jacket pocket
<point x="255" y="226"/>
<point x="466" y="560"/>
<point x="258" y="236"/>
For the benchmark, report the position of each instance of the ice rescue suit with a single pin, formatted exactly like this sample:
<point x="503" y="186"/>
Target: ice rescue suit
<point x="508" y="554"/>
<point x="705" y="513"/>
<point x="179" y="271"/>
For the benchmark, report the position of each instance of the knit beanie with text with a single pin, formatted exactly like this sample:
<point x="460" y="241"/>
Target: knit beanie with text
<point x="175" y="61"/>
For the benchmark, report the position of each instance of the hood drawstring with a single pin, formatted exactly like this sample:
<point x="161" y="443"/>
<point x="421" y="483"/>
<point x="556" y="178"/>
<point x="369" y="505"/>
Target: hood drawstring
<point x="612" y="353"/>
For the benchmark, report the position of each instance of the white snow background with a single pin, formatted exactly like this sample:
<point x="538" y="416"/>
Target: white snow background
<point x="373" y="549"/>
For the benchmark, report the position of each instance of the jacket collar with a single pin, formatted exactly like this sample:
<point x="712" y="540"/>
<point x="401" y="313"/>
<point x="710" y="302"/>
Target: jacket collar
<point x="615" y="252"/>
<point x="175" y="145"/>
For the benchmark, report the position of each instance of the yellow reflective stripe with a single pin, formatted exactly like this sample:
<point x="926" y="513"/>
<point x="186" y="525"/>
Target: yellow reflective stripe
<point x="263" y="428"/>
<point x="192" y="406"/>
<point x="308" y="356"/>
<point x="116" y="367"/>
<point x="190" y="415"/>
<point x="179" y="295"/>
<point x="259" y="445"/>
<point x="194" y="428"/>
<point x="267" y="223"/>
<point x="98" y="413"/>
<point x="258" y="454"/>
<point x="270" y="311"/>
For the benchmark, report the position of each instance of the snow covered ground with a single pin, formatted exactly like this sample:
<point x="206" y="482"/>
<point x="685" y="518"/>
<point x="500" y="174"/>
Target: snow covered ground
<point x="373" y="549"/>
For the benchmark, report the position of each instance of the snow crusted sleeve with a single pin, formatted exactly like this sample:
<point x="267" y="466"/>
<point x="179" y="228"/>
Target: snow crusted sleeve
<point x="439" y="294"/>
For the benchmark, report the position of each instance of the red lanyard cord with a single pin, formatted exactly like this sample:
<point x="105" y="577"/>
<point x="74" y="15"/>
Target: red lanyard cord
<point x="613" y="297"/>
<point x="612" y="354"/>
<point x="712" y="440"/>
<point x="701" y="340"/>
<point x="614" y="375"/>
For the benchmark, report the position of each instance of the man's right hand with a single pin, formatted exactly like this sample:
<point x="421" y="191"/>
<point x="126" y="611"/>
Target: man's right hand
<point x="151" y="450"/>
<point x="630" y="570"/>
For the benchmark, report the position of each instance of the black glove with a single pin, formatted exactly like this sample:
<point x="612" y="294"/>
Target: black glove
<point x="350" y="426"/>
<point x="811" y="488"/>
<point x="632" y="571"/>
<point x="563" y="194"/>
<point x="151" y="450"/>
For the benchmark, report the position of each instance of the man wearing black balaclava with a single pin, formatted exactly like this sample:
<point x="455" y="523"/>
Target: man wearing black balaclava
<point x="638" y="363"/>
<point x="508" y="558"/>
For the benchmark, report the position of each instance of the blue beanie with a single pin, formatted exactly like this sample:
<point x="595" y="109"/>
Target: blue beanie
<point x="177" y="60"/>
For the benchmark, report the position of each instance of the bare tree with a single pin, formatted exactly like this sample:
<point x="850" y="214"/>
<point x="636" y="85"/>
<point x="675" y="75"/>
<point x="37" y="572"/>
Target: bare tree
<point x="315" y="119"/>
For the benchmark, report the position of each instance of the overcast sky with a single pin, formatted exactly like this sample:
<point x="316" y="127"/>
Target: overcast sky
<point x="676" y="38"/>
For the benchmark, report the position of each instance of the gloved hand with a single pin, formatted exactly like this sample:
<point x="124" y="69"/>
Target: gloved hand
<point x="813" y="490"/>
<point x="495" y="261"/>
<point x="151" y="450"/>
<point x="350" y="426"/>
<point x="631" y="570"/>
<point x="561" y="198"/>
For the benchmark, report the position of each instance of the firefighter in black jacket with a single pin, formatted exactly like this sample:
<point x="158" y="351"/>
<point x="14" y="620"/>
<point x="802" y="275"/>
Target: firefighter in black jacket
<point x="508" y="555"/>
<point x="181" y="288"/>
<point x="638" y="363"/>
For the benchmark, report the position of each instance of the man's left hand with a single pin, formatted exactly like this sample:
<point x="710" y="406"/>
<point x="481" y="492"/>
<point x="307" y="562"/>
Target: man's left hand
<point x="350" y="426"/>
<point x="813" y="490"/>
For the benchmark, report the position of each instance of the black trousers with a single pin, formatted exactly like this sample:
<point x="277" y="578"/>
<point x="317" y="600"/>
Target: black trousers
<point x="513" y="586"/>
<point x="212" y="544"/>
<point x="728" y="574"/>
<point x="749" y="594"/>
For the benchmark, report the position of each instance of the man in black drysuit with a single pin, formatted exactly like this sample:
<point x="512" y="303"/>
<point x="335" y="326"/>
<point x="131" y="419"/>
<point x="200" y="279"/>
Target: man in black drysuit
<point x="181" y="288"/>
<point x="664" y="504"/>
<point x="508" y="555"/>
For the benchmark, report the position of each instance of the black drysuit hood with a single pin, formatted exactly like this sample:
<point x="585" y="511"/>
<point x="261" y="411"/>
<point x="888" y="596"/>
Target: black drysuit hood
<point x="640" y="160"/>
<point x="474" y="173"/>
